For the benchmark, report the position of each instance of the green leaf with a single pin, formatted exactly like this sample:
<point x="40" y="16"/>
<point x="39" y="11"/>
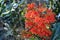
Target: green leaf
<point x="35" y="38"/>
<point x="32" y="38"/>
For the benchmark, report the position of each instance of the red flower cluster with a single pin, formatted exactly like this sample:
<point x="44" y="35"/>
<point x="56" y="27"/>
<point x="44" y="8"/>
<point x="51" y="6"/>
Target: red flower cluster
<point x="38" y="20"/>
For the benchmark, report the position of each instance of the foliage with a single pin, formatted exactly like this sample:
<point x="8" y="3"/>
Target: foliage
<point x="12" y="18"/>
<point x="11" y="15"/>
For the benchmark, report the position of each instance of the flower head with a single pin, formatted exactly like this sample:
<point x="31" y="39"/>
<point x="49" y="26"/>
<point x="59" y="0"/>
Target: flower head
<point x="39" y="20"/>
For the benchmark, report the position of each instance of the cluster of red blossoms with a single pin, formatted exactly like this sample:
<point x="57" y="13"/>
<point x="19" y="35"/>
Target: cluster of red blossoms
<point x="38" y="20"/>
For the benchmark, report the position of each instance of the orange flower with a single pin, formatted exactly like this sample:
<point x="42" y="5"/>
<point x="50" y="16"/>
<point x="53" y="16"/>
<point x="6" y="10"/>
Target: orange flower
<point x="51" y="18"/>
<point x="33" y="30"/>
<point x="31" y="14"/>
<point x="28" y="23"/>
<point x="42" y="9"/>
<point x="30" y="6"/>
